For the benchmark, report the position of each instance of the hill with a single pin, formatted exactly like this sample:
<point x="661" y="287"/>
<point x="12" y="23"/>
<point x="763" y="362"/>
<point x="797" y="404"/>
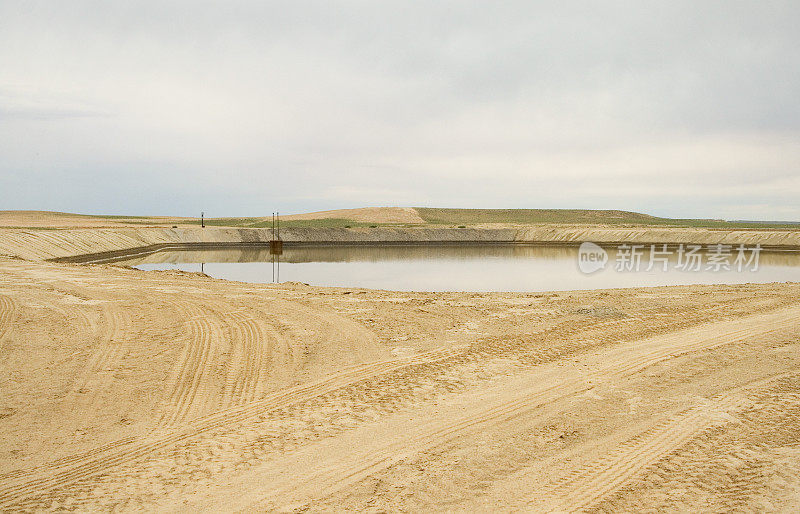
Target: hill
<point x="384" y="216"/>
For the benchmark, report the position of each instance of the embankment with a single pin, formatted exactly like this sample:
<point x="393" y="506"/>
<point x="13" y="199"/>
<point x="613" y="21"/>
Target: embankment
<point x="89" y="245"/>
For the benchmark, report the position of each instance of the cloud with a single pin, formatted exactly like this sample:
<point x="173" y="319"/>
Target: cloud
<point x="24" y="103"/>
<point x="45" y="114"/>
<point x="253" y="106"/>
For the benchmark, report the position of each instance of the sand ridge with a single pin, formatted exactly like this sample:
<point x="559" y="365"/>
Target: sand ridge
<point x="64" y="243"/>
<point x="364" y="214"/>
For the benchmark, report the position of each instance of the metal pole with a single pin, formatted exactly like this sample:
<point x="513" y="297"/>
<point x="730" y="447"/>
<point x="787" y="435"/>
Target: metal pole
<point x="202" y="220"/>
<point x="271" y="253"/>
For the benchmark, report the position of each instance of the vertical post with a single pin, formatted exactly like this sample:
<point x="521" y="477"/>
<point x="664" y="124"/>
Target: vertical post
<point x="271" y="244"/>
<point x="275" y="245"/>
<point x="202" y="220"/>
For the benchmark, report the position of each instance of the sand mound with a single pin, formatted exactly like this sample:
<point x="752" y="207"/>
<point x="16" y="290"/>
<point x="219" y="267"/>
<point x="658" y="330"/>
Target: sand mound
<point x="365" y="215"/>
<point x="47" y="219"/>
<point x="51" y="219"/>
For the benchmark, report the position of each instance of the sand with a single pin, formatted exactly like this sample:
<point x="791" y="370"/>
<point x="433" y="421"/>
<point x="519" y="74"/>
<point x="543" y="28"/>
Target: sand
<point x="124" y="389"/>
<point x="49" y="219"/>
<point x="61" y="220"/>
<point x="364" y="215"/>
<point x="44" y="244"/>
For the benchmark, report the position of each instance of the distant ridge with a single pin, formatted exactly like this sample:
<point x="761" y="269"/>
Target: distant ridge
<point x="367" y="217"/>
<point x="767" y="222"/>
<point x="529" y="216"/>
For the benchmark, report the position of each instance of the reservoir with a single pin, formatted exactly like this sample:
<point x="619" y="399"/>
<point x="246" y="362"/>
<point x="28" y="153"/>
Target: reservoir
<point x="481" y="268"/>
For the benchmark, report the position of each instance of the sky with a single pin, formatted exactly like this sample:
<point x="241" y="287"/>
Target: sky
<point x="241" y="108"/>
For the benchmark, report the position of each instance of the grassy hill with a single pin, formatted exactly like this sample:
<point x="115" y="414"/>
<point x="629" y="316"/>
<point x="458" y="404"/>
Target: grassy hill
<point x="530" y="216"/>
<point x="578" y="217"/>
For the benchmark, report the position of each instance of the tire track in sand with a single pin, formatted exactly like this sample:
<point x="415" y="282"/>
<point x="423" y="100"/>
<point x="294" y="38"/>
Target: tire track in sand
<point x="190" y="373"/>
<point x="131" y="447"/>
<point x="109" y="349"/>
<point x="248" y="358"/>
<point x="585" y="487"/>
<point x="335" y="472"/>
<point x="65" y="472"/>
<point x="751" y="465"/>
<point x="8" y="311"/>
<point x="194" y="392"/>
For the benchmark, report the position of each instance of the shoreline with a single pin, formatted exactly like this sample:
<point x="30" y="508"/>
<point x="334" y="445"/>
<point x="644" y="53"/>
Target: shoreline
<point x="77" y="245"/>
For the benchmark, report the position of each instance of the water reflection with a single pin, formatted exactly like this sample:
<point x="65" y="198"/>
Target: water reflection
<point x="450" y="268"/>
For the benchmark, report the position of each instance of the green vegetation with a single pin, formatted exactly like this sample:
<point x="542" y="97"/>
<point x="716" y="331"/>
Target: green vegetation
<point x="529" y="216"/>
<point x="225" y="222"/>
<point x="267" y="223"/>
<point x="732" y="224"/>
<point x="261" y="223"/>
<point x="318" y="223"/>
<point x="462" y="217"/>
<point x="111" y="216"/>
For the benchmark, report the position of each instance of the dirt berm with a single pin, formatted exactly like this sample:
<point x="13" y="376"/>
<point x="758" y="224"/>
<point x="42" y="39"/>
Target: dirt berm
<point x="64" y="244"/>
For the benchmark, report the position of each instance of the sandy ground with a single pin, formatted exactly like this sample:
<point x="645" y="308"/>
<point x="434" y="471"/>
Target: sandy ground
<point x="365" y="214"/>
<point x="171" y="391"/>
<point x="49" y="219"/>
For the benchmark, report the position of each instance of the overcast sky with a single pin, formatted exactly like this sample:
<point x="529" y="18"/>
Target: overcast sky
<point x="683" y="109"/>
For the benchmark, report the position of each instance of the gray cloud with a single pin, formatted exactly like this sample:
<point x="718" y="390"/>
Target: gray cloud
<point x="675" y="108"/>
<point x="29" y="113"/>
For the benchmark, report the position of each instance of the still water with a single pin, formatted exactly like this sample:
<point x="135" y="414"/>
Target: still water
<point x="460" y="268"/>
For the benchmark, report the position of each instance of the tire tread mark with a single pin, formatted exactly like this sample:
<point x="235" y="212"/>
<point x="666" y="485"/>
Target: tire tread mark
<point x="110" y="347"/>
<point x="8" y="311"/>
<point x="585" y="487"/>
<point x="123" y="453"/>
<point x="190" y="372"/>
<point x="335" y="477"/>
<point x="13" y="494"/>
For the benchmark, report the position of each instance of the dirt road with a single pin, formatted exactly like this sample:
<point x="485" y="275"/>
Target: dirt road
<point x="172" y="391"/>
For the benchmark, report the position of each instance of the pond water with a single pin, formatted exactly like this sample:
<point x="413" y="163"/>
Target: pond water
<point x="470" y="268"/>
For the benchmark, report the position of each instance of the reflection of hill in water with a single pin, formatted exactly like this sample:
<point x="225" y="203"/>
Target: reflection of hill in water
<point x="356" y="254"/>
<point x="401" y="253"/>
